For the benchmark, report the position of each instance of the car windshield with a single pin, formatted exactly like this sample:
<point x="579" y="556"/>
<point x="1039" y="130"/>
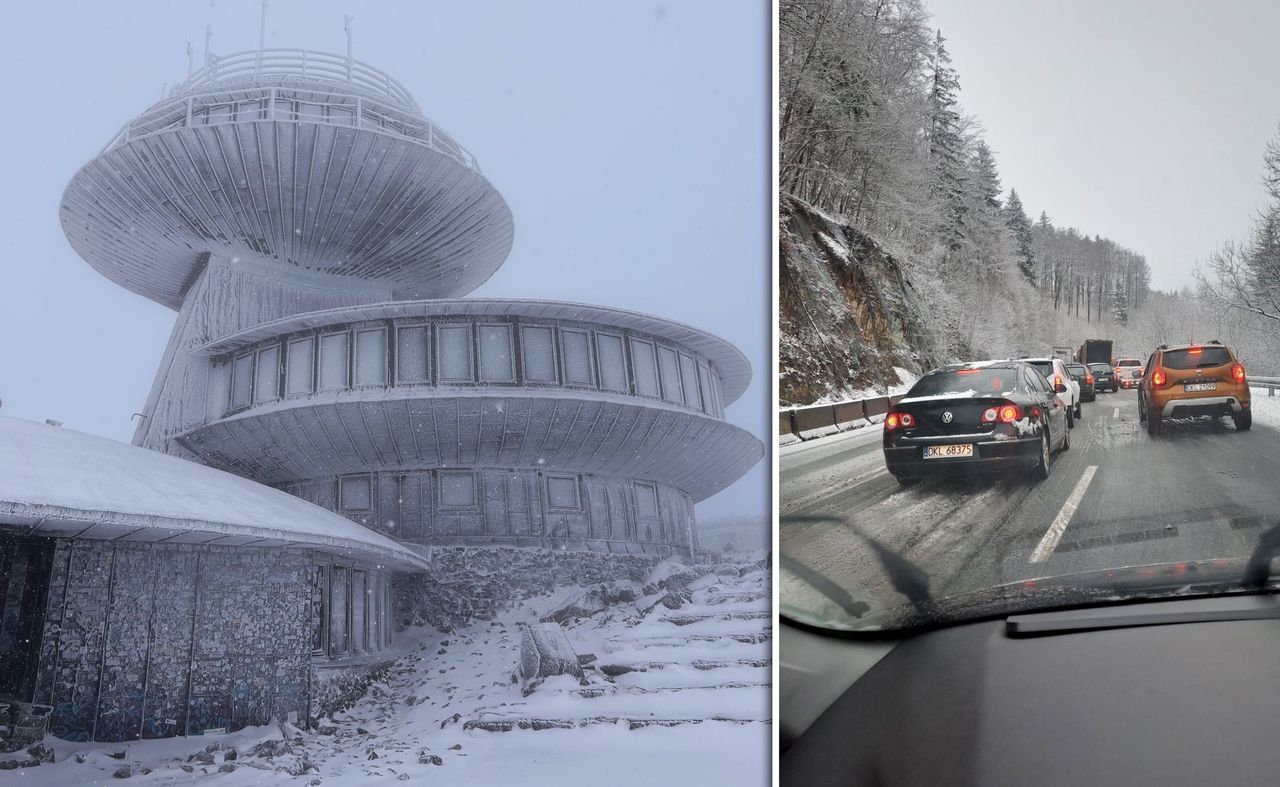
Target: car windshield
<point x="966" y="382"/>
<point x="935" y="214"/>
<point x="1196" y="358"/>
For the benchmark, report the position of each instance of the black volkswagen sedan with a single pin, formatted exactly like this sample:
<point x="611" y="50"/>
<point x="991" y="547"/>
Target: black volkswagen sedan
<point x="974" y="419"/>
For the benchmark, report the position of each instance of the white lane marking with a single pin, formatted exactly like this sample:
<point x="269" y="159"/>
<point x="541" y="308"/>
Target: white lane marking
<point x="1054" y="534"/>
<point x="1116" y="414"/>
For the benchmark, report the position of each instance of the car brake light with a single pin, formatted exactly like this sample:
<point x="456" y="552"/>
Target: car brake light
<point x="1237" y="373"/>
<point x="1005" y="414"/>
<point x="1157" y="377"/>
<point x="906" y="419"/>
<point x="1088" y="378"/>
<point x="891" y="421"/>
<point x="1057" y="380"/>
<point x="1196" y="350"/>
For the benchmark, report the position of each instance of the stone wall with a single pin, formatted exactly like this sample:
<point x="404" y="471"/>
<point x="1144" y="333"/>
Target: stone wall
<point x="469" y="583"/>
<point x="153" y="640"/>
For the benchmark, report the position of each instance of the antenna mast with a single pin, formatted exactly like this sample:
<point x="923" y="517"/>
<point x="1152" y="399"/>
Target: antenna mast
<point x="346" y="25"/>
<point x="262" y="36"/>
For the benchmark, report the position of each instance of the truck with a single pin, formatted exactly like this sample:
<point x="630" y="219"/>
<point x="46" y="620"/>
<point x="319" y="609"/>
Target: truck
<point x="1095" y="351"/>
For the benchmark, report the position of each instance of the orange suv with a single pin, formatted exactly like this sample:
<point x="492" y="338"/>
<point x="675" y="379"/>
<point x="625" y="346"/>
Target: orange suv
<point x="1193" y="380"/>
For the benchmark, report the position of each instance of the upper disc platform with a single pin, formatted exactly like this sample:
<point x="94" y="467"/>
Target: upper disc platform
<point x="322" y="167"/>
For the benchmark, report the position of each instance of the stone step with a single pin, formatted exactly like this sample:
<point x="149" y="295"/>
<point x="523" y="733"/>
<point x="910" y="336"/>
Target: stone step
<point x="745" y="637"/>
<point x="593" y="692"/>
<point x="509" y="724"/>
<point x="685" y="620"/>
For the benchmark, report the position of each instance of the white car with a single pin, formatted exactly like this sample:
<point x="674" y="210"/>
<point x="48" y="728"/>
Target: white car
<point x="1055" y="371"/>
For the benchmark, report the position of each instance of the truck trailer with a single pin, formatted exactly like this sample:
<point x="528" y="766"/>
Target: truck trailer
<point x="1096" y="351"/>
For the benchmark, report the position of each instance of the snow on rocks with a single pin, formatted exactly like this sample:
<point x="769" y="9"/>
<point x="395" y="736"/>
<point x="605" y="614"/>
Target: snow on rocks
<point x="664" y="702"/>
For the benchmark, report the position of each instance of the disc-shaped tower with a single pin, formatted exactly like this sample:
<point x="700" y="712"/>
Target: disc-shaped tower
<point x="314" y="230"/>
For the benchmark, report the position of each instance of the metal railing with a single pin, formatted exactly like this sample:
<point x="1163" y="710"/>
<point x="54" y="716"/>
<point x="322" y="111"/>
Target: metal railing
<point x="798" y="420"/>
<point x="298" y="104"/>
<point x="252" y="65"/>
<point x="1270" y="383"/>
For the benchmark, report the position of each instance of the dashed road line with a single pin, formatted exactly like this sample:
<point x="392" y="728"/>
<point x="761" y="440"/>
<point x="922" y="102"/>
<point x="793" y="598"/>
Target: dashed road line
<point x="1054" y="534"/>
<point x="1116" y="414"/>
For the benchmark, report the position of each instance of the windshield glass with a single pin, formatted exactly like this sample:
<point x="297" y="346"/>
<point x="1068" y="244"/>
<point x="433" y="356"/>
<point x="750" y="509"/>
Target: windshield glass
<point x="934" y="214"/>
<point x="1196" y="358"/>
<point x="965" y="382"/>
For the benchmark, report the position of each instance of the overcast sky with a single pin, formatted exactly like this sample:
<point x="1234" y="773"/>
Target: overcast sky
<point x="631" y="141"/>
<point x="1144" y="122"/>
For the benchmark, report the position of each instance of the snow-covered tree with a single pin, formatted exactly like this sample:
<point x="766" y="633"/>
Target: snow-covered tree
<point x="1018" y="223"/>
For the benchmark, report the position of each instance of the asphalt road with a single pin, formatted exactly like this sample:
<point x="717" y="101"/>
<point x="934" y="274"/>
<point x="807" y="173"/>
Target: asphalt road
<point x="1118" y="497"/>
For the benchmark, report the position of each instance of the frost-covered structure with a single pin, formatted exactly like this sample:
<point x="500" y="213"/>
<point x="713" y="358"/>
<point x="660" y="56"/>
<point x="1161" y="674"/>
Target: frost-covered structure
<point x="314" y="232"/>
<point x="313" y="229"/>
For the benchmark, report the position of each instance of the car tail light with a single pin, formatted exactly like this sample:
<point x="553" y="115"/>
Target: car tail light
<point x="1237" y="373"/>
<point x="891" y="421"/>
<point x="1158" y="377"/>
<point x="1057" y="380"/>
<point x="1088" y="378"/>
<point x="1005" y="414"/>
<point x="906" y="419"/>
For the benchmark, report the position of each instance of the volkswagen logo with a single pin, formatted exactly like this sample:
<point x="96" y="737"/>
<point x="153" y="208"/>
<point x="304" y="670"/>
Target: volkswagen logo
<point x="946" y="417"/>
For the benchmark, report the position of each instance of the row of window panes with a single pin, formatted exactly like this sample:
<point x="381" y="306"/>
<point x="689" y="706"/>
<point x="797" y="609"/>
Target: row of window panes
<point x="654" y="370"/>
<point x="285" y="109"/>
<point x="351" y="611"/>
<point x="458" y="489"/>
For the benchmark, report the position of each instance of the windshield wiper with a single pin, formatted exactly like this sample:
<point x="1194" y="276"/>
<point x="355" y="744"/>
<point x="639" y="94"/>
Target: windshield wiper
<point x="1258" y="571"/>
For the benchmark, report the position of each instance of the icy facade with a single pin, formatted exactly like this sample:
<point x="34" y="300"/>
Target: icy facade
<point x="307" y="222"/>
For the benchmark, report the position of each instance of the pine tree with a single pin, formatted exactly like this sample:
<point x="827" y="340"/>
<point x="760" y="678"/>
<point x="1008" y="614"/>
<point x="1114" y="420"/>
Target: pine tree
<point x="1120" y="303"/>
<point x="1018" y="223"/>
<point x="946" y="147"/>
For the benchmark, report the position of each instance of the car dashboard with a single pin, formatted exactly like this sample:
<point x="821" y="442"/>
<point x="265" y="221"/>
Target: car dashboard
<point x="1184" y="691"/>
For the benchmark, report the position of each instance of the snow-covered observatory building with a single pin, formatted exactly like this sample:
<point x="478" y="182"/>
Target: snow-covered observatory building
<point x="315" y="234"/>
<point x="315" y="231"/>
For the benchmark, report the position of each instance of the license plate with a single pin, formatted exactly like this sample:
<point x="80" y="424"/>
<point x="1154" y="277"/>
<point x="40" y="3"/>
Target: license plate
<point x="947" y="451"/>
<point x="1200" y="387"/>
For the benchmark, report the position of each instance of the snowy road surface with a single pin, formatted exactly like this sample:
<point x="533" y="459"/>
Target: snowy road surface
<point x="1118" y="497"/>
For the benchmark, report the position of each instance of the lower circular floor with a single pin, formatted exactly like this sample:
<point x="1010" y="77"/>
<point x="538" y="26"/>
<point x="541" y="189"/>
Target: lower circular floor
<point x="512" y="506"/>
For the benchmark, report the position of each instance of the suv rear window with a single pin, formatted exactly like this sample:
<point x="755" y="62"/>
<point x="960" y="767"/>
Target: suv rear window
<point x="1196" y="358"/>
<point x="1099" y="367"/>
<point x="981" y="382"/>
<point x="1129" y="362"/>
<point x="1077" y="369"/>
<point x="1045" y="368"/>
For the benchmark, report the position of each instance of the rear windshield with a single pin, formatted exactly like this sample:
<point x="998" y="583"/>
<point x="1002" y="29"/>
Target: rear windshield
<point x="1128" y="362"/>
<point x="1196" y="358"/>
<point x="1043" y="367"/>
<point x="1100" y="368"/>
<point x="1077" y="369"/>
<point x="966" y="382"/>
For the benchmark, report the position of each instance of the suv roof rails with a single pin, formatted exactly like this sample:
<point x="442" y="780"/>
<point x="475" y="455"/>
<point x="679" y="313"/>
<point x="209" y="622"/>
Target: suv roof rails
<point x="1215" y="341"/>
<point x="1163" y="347"/>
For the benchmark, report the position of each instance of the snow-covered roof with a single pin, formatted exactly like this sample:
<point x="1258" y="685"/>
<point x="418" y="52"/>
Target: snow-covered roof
<point x="59" y="482"/>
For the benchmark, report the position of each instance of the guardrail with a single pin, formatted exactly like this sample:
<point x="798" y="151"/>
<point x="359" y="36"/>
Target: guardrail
<point x="797" y="420"/>
<point x="1270" y="383"/>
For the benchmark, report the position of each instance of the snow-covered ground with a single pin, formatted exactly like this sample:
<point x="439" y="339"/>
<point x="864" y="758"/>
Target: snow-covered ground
<point x="673" y="696"/>
<point x="1266" y="408"/>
